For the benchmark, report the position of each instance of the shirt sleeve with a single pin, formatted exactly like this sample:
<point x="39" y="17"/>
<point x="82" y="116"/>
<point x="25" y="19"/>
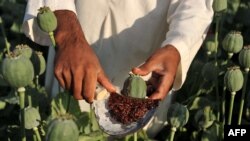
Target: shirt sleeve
<point x="188" y="22"/>
<point x="30" y="27"/>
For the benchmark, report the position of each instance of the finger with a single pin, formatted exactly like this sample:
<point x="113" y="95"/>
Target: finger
<point x="165" y="84"/>
<point x="67" y="76"/>
<point x="152" y="84"/>
<point x="154" y="81"/>
<point x="150" y="90"/>
<point x="104" y="81"/>
<point x="59" y="76"/>
<point x="77" y="85"/>
<point x="144" y="69"/>
<point x="89" y="86"/>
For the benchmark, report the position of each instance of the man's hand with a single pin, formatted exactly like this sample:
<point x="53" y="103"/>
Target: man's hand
<point x="163" y="64"/>
<point x="77" y="68"/>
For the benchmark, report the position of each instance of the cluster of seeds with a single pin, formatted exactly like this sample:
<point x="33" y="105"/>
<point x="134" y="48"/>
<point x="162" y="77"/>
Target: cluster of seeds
<point x="126" y="109"/>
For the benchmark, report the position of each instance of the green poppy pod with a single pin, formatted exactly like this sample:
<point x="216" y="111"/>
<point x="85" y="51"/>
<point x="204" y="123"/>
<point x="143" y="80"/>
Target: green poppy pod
<point x="46" y="19"/>
<point x="62" y="128"/>
<point x="177" y="115"/>
<point x="219" y="5"/>
<point x="24" y="50"/>
<point x="38" y="62"/>
<point x="32" y="118"/>
<point x="210" y="46"/>
<point x="17" y="71"/>
<point x="244" y="57"/>
<point x="233" y="79"/>
<point x="233" y="42"/>
<point x="204" y="118"/>
<point x="135" y="86"/>
<point x="2" y="105"/>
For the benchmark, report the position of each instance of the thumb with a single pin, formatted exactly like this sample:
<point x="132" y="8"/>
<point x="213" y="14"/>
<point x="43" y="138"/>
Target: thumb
<point x="104" y="81"/>
<point x="144" y="69"/>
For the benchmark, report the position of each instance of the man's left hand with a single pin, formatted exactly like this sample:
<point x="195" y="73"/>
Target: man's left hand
<point x="163" y="64"/>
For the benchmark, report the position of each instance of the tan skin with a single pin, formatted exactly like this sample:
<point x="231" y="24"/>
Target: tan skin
<point x="77" y="68"/>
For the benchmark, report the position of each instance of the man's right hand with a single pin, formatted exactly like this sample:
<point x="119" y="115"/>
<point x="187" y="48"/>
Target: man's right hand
<point x="77" y="68"/>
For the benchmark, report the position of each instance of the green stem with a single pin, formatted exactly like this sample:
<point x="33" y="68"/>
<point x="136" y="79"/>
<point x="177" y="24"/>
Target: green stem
<point x="172" y="133"/>
<point x="127" y="138"/>
<point x="145" y="136"/>
<point x="198" y="93"/>
<point x="135" y="136"/>
<point x="42" y="131"/>
<point x="30" y="100"/>
<point x="216" y="64"/>
<point x="35" y="129"/>
<point x="52" y="38"/>
<point x="34" y="137"/>
<point x="231" y="108"/>
<point x="243" y="95"/>
<point x="68" y="104"/>
<point x="21" y="93"/>
<point x="90" y="117"/>
<point x="7" y="44"/>
<point x="223" y="105"/>
<point x="220" y="132"/>
<point x="37" y="81"/>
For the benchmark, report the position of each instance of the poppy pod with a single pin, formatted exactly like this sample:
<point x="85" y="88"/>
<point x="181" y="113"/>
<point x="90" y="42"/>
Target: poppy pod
<point x="219" y="5"/>
<point x="38" y="62"/>
<point x="177" y="115"/>
<point x="32" y="118"/>
<point x="135" y="86"/>
<point x="233" y="79"/>
<point x="63" y="128"/>
<point x="233" y="42"/>
<point x="17" y="70"/>
<point x="46" y="19"/>
<point x="244" y="57"/>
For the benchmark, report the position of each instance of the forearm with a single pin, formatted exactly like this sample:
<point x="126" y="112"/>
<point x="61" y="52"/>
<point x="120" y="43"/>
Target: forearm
<point x="68" y="26"/>
<point x="188" y="23"/>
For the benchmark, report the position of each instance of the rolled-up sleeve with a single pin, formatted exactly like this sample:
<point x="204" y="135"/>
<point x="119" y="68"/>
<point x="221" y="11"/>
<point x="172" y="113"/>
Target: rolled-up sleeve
<point x="188" y="22"/>
<point x="30" y="28"/>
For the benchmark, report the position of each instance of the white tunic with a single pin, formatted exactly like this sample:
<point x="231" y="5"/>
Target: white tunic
<point x="124" y="33"/>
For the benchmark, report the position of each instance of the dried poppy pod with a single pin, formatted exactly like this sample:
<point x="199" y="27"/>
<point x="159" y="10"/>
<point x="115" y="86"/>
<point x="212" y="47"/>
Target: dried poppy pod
<point x="219" y="5"/>
<point x="244" y="57"/>
<point x="233" y="42"/>
<point x="62" y="128"/>
<point x="177" y="115"/>
<point x="46" y="19"/>
<point x="233" y="79"/>
<point x="17" y="70"/>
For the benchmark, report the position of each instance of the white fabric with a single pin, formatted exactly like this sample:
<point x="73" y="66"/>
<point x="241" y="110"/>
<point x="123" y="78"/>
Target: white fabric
<point x="124" y="33"/>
